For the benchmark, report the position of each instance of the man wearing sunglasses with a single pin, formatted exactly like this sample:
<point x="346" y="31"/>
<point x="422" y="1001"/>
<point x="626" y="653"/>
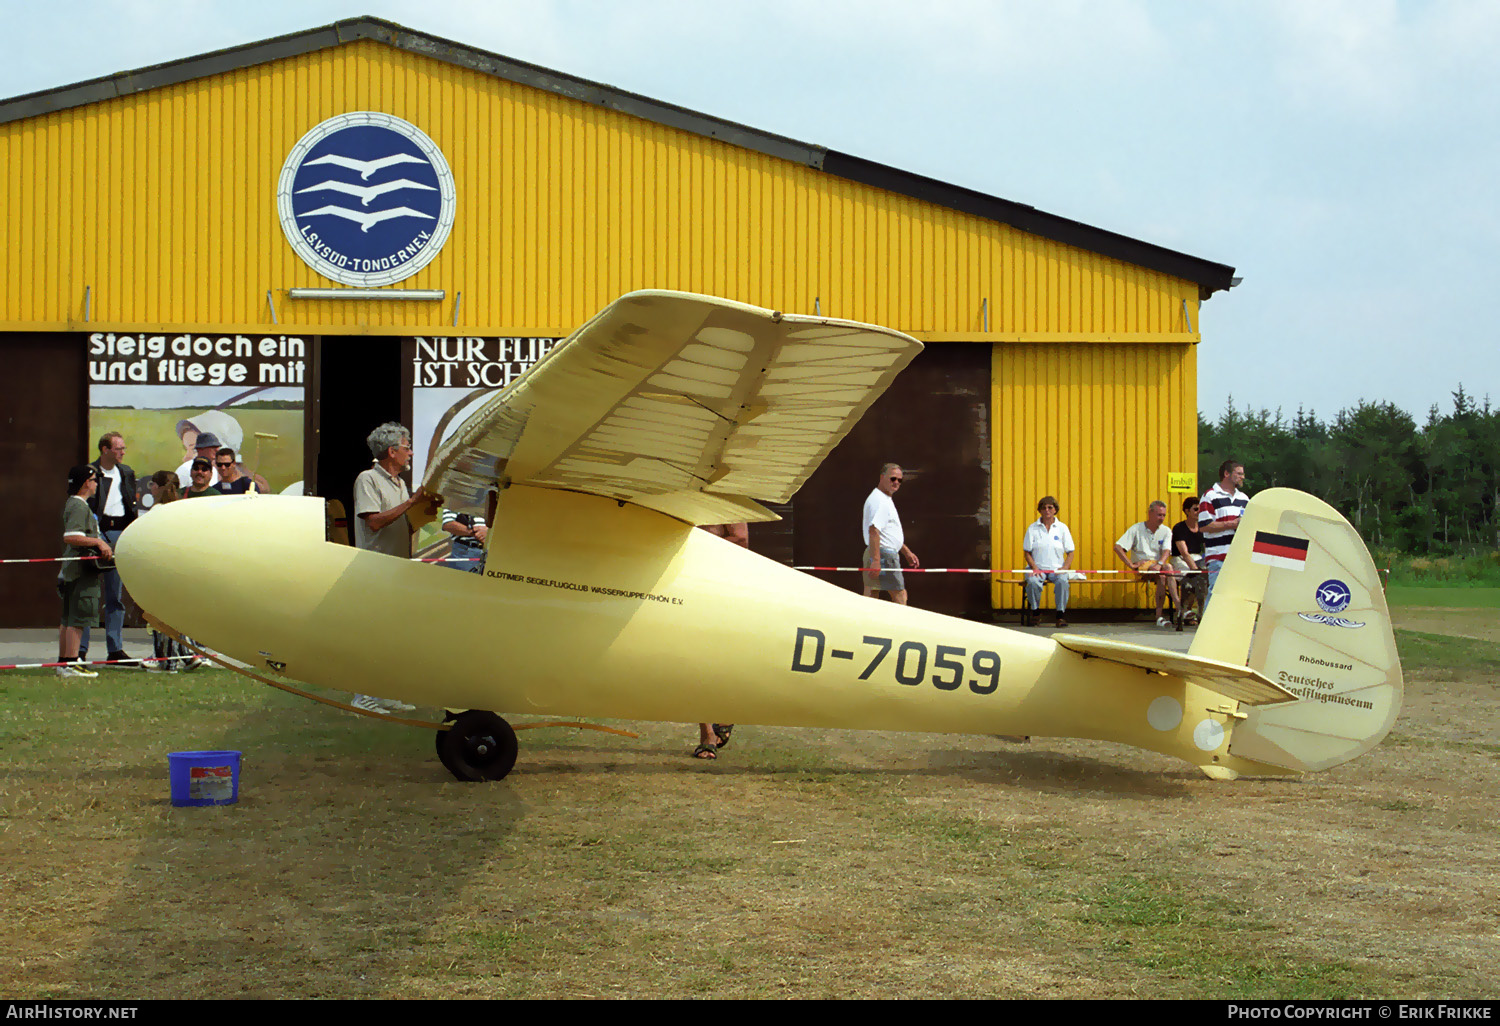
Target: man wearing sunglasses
<point x="206" y="445"/>
<point x="885" y="542"/>
<point x="231" y="481"/>
<point x="200" y="479"/>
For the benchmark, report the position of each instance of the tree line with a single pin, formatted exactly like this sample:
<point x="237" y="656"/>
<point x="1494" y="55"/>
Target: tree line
<point x="1430" y="489"/>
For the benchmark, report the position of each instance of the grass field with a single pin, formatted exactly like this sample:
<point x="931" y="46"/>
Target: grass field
<point x="804" y="863"/>
<point x="1478" y="568"/>
<point x="1447" y="597"/>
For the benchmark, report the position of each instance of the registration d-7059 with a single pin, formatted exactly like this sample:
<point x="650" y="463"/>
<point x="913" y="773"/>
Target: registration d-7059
<point x="906" y="663"/>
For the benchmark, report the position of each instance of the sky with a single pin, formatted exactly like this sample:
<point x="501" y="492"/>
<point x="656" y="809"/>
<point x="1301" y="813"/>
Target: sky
<point x="1342" y="155"/>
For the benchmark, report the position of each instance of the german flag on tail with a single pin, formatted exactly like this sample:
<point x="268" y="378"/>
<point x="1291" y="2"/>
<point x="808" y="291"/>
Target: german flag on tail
<point x="1279" y="550"/>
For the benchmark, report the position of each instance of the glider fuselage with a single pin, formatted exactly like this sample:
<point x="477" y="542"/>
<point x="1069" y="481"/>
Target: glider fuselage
<point x="592" y="607"/>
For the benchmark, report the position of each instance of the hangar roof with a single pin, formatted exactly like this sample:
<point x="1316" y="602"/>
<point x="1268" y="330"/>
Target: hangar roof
<point x="1209" y="276"/>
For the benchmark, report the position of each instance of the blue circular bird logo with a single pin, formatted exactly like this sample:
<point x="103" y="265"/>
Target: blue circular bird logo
<point x="1333" y="596"/>
<point x="366" y="199"/>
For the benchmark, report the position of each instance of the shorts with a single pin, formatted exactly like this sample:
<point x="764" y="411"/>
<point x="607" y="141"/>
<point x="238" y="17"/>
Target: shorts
<point x="890" y="577"/>
<point x="80" y="601"/>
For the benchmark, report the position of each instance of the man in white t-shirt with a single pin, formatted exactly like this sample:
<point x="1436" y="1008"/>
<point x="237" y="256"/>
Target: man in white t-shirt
<point x="885" y="542"/>
<point x="1144" y="548"/>
<point x="114" y="505"/>
<point x="1048" y="547"/>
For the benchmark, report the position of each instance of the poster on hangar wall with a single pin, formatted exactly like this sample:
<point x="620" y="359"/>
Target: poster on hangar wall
<point x="451" y="378"/>
<point x="161" y="391"/>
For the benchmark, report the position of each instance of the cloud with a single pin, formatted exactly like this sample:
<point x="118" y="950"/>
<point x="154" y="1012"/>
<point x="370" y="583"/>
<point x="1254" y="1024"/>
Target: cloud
<point x="824" y="43"/>
<point x="1381" y="58"/>
<point x="1338" y="152"/>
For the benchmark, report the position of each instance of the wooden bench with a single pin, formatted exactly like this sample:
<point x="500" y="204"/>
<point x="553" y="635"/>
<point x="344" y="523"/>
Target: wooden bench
<point x="1119" y="577"/>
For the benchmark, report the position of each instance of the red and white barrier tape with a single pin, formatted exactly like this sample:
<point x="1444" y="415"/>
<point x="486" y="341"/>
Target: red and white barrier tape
<point x="918" y="570"/>
<point x="415" y="559"/>
<point x="956" y="570"/>
<point x="99" y="662"/>
<point x="842" y="569"/>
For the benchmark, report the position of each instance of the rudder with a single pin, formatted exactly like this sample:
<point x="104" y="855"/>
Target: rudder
<point x="1300" y="600"/>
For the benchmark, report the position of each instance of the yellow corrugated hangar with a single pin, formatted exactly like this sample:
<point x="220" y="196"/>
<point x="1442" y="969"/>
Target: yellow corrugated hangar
<point x="286" y="243"/>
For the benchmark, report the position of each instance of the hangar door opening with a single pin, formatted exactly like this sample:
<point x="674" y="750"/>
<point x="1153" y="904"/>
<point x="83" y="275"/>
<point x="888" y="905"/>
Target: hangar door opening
<point x="359" y="383"/>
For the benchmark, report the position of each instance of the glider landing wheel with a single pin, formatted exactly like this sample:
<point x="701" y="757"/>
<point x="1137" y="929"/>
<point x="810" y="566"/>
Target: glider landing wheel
<point x="479" y="746"/>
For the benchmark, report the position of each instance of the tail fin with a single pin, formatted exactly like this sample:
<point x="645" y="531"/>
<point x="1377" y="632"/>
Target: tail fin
<point x="1300" y="601"/>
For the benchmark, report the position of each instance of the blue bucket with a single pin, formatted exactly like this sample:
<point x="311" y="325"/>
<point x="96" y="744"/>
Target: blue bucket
<point x="204" y="778"/>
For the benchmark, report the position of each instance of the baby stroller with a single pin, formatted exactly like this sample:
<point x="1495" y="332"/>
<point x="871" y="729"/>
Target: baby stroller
<point x="172" y="655"/>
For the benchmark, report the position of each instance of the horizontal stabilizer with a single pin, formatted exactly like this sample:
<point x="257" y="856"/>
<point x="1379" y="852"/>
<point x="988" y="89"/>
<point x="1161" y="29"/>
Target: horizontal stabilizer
<point x="1240" y="683"/>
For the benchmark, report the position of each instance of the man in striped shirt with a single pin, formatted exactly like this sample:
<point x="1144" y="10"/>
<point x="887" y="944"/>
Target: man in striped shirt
<point x="468" y="531"/>
<point x="1218" y="515"/>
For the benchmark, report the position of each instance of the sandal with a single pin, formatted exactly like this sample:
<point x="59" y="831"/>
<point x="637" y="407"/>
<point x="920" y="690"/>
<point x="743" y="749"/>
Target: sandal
<point x="722" y="732"/>
<point x="706" y="752"/>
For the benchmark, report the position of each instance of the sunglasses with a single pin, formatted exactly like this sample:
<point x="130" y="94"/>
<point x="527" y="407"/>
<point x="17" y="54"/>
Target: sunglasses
<point x="225" y="465"/>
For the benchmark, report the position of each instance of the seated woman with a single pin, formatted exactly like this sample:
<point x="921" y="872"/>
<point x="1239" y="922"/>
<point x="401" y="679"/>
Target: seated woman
<point x="1187" y="557"/>
<point x="1048" y="547"/>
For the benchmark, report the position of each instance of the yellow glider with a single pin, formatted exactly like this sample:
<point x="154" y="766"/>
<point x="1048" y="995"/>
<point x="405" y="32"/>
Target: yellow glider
<point x="599" y="599"/>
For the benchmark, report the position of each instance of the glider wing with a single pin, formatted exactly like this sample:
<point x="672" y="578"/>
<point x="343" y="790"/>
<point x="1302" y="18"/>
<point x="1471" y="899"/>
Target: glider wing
<point x="693" y="406"/>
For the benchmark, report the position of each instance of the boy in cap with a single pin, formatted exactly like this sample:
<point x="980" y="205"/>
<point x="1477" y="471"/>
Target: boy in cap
<point x="78" y="580"/>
